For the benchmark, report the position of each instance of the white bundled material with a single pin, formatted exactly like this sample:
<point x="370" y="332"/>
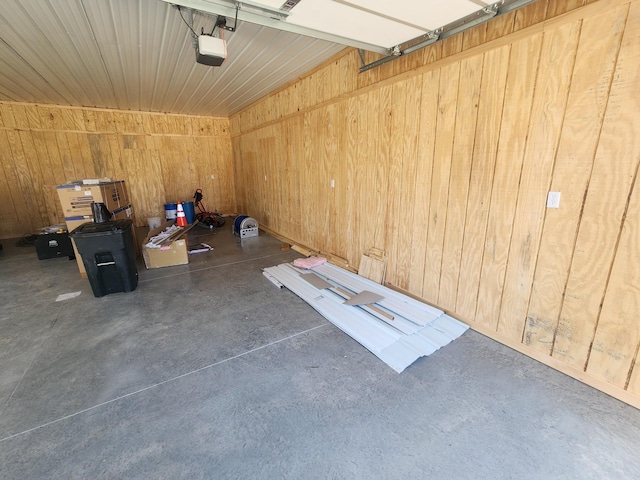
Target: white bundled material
<point x="419" y="329"/>
<point x="163" y="237"/>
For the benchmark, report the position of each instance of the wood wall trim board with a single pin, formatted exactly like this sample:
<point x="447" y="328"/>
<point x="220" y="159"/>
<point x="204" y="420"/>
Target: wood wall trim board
<point x="107" y="132"/>
<point x="59" y="108"/>
<point x="584" y="377"/>
<point x="340" y="262"/>
<point x="621" y="394"/>
<point x="451" y="55"/>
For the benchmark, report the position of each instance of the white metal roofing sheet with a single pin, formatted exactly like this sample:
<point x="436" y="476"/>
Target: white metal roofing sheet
<point x="395" y="348"/>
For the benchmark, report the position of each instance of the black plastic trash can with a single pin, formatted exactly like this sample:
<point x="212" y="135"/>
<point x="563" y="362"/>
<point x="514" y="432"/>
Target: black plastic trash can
<point x="108" y="253"/>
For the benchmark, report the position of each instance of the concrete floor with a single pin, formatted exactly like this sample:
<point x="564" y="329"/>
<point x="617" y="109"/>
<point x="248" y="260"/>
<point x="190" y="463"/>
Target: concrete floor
<point x="209" y="371"/>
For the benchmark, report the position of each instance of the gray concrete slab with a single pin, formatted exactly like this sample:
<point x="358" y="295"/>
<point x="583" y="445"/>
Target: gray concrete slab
<point x="210" y="371"/>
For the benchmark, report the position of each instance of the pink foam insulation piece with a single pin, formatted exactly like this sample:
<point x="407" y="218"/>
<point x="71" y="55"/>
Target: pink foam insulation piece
<point x="309" y="262"/>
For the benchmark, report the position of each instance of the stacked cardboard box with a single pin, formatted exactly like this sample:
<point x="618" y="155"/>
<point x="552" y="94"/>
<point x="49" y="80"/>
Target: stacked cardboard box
<point x="76" y="199"/>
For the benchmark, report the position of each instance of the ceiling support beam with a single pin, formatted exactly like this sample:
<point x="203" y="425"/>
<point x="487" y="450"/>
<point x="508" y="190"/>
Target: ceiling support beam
<point x="481" y="16"/>
<point x="250" y="12"/>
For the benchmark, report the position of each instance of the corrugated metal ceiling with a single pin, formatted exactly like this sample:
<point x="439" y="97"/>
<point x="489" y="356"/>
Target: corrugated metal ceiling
<point x="138" y="55"/>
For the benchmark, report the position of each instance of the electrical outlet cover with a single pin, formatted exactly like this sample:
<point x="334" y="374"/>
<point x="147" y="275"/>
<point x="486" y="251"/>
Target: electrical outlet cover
<point x="553" y="200"/>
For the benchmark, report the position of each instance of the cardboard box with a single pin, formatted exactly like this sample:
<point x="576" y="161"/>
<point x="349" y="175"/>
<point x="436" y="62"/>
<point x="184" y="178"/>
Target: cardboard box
<point x="76" y="199"/>
<point x="168" y="255"/>
<point x="74" y="222"/>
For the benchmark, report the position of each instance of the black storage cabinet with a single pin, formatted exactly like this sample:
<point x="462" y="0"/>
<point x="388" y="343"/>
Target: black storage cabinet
<point x="108" y="253"/>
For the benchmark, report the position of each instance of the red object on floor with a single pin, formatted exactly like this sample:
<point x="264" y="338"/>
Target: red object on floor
<point x="181" y="219"/>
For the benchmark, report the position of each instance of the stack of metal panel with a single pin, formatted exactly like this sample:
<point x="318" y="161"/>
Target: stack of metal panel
<point x="394" y="327"/>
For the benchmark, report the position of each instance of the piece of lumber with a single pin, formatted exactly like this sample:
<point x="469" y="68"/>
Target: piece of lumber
<point x="372" y="268"/>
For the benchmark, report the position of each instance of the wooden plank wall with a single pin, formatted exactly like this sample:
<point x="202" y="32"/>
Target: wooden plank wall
<point x="162" y="158"/>
<point x="444" y="160"/>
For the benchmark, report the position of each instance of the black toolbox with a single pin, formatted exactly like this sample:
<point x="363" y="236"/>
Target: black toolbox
<point x="54" y="245"/>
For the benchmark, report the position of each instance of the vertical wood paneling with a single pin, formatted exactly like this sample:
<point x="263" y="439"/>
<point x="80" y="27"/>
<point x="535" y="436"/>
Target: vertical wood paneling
<point x="74" y="156"/>
<point x="39" y="211"/>
<point x="558" y="7"/>
<point x="177" y="165"/>
<point x="16" y="216"/>
<point x="407" y="205"/>
<point x="239" y="171"/>
<point x="292" y="195"/>
<point x="20" y="115"/>
<point x="58" y="173"/>
<point x="422" y="188"/>
<point x="150" y="193"/>
<point x="309" y="180"/>
<point x="328" y="161"/>
<point x="473" y="143"/>
<point x="487" y="135"/>
<point x="6" y="116"/>
<point x="617" y="311"/>
<point x="225" y="188"/>
<point x="549" y="103"/>
<point x="445" y="125"/>
<point x="65" y="156"/>
<point x="461" y="159"/>
<point x="530" y="14"/>
<point x="590" y="83"/>
<point x="379" y="111"/>
<point x="27" y="193"/>
<point x="501" y="26"/>
<point x="89" y="120"/>
<point x="615" y="345"/>
<point x="355" y="105"/>
<point x="48" y="146"/>
<point x="338" y="193"/>
<point x="609" y="186"/>
<point x="394" y="178"/>
<point x="431" y="54"/>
